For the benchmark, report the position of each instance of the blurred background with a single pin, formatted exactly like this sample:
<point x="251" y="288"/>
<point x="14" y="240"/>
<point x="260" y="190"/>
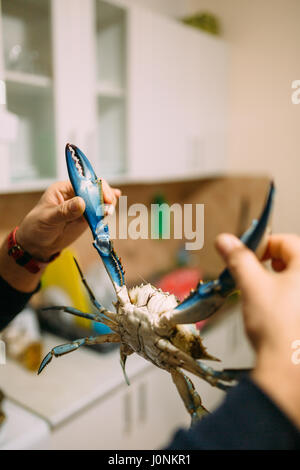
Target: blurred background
<point x="176" y="101"/>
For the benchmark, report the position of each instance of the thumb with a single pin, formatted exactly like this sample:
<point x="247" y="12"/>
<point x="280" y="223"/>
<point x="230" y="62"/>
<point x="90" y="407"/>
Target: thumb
<point x="242" y="262"/>
<point x="68" y="211"/>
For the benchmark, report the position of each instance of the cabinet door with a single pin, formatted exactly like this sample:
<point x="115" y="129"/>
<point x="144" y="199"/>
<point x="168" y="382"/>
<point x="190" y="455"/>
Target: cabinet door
<point x="27" y="70"/>
<point x="141" y="416"/>
<point x="162" y="410"/>
<point x="177" y="96"/>
<point x="207" y="95"/>
<point x="100" y="426"/>
<point x="74" y="75"/>
<point x="4" y="145"/>
<point x="110" y="92"/>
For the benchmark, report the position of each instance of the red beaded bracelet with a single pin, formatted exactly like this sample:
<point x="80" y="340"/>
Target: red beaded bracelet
<point x="23" y="258"/>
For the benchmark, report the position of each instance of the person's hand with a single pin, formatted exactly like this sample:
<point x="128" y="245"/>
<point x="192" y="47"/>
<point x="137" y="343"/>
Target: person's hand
<point x="57" y="220"/>
<point x="271" y="308"/>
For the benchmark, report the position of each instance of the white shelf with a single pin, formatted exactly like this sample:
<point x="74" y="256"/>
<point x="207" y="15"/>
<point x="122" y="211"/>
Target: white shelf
<point x="125" y="178"/>
<point x="28" y="186"/>
<point x="32" y="80"/>
<point x="114" y="180"/>
<point x="107" y="90"/>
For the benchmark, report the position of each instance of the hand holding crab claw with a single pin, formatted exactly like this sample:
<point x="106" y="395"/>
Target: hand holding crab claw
<point x="271" y="313"/>
<point x="55" y="222"/>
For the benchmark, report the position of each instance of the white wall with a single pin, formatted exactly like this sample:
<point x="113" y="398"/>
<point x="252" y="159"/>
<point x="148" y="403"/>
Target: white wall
<point x="264" y="125"/>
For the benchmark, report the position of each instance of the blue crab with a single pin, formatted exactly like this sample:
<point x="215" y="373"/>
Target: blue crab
<point x="148" y="321"/>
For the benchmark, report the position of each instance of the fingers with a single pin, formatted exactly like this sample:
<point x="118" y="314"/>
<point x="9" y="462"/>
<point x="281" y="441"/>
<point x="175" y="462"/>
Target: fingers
<point x="283" y="250"/>
<point x="63" y="191"/>
<point x="75" y="207"/>
<point x="66" y="207"/>
<point x="242" y="263"/>
<point x="63" y="207"/>
<point x="110" y="195"/>
<point x="66" y="212"/>
<point x="117" y="192"/>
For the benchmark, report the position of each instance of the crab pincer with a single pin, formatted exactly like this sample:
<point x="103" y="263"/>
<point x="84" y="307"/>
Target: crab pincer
<point x="209" y="297"/>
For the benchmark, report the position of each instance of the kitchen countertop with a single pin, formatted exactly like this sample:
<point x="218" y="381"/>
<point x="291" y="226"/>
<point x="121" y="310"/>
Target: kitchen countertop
<point x="69" y="383"/>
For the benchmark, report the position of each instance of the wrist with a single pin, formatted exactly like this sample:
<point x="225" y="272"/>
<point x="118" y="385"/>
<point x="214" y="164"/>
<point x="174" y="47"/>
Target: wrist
<point x="23" y="257"/>
<point x="14" y="274"/>
<point x="33" y="246"/>
<point x="18" y="267"/>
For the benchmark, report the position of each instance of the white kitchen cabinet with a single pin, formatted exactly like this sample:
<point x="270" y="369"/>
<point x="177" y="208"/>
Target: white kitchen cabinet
<point x="22" y="430"/>
<point x="143" y="415"/>
<point x="110" y="27"/>
<point x="178" y="94"/>
<point x="164" y="411"/>
<point x="99" y="427"/>
<point x="144" y="96"/>
<point x="74" y="76"/>
<point x="26" y="67"/>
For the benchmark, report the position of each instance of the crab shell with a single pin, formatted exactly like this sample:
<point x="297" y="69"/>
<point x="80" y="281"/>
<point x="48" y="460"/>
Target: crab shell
<point x="139" y="310"/>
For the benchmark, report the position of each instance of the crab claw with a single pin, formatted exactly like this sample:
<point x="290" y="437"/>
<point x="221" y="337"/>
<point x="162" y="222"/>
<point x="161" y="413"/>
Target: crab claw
<point x="208" y="297"/>
<point x="47" y="359"/>
<point x="86" y="185"/>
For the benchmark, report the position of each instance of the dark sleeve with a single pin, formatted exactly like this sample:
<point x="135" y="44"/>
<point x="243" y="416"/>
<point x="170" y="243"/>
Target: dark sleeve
<point x="12" y="302"/>
<point x="247" y="420"/>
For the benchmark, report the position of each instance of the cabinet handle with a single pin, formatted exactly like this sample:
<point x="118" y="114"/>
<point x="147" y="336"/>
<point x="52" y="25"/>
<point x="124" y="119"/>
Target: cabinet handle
<point x="127" y="413"/>
<point x="142" y="402"/>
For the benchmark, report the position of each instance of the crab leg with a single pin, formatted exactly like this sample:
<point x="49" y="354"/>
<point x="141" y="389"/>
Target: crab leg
<point x="189" y="396"/>
<point x="89" y="290"/>
<point x="182" y="360"/>
<point x="102" y="310"/>
<point x="125" y="351"/>
<point x="69" y="347"/>
<point x="208" y="297"/>
<point x="86" y="185"/>
<point x="107" y="318"/>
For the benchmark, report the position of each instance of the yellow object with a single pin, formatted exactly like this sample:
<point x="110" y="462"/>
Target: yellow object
<point x="31" y="357"/>
<point x="63" y="273"/>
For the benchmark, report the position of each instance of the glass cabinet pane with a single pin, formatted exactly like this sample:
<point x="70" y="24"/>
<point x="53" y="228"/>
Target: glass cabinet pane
<point x="27" y="36"/>
<point x="27" y="44"/>
<point x="111" y="43"/>
<point x="111" y="136"/>
<point x="111" y="37"/>
<point x="33" y="154"/>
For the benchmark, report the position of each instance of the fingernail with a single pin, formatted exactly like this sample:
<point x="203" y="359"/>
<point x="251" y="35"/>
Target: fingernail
<point x="74" y="206"/>
<point x="226" y="243"/>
